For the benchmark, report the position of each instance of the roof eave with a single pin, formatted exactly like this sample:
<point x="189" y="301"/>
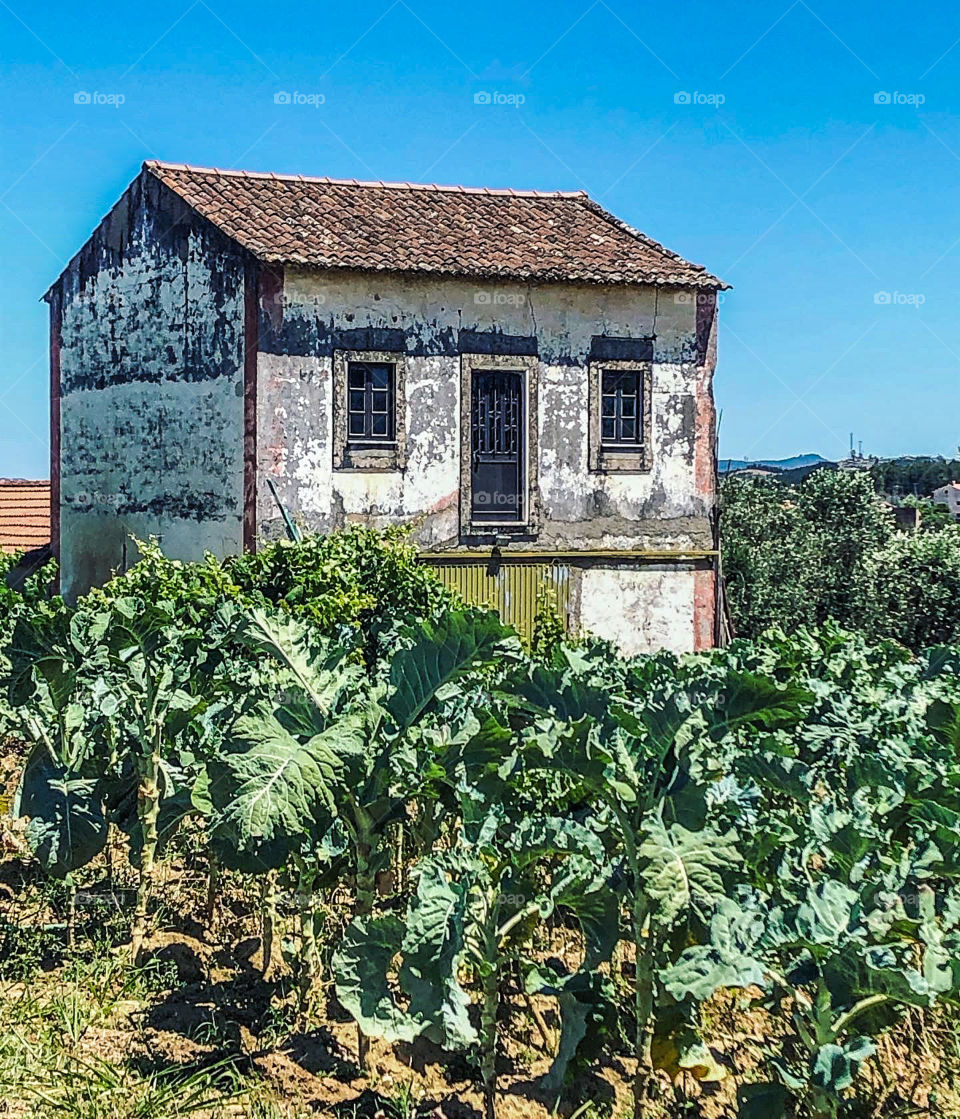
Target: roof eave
<point x="632" y="231"/>
<point x="704" y="282"/>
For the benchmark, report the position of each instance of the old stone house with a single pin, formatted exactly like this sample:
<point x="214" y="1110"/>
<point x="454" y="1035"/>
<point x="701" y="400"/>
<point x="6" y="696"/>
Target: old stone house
<point x="519" y="374"/>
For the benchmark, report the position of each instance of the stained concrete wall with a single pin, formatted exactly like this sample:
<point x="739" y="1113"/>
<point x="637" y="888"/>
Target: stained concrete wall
<point x="306" y="316"/>
<point x="640" y="609"/>
<point x="150" y="356"/>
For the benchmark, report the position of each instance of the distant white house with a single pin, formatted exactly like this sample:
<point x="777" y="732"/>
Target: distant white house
<point x="949" y="495"/>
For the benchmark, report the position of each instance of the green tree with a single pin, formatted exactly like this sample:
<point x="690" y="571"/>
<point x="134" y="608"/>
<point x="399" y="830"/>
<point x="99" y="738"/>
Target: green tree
<point x="916" y="583"/>
<point x="767" y="557"/>
<point x="800" y="555"/>
<point x="846" y="524"/>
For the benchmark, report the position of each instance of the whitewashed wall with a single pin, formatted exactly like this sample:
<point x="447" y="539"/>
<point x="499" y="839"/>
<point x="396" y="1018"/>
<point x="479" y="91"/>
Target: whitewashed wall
<point x="579" y="509"/>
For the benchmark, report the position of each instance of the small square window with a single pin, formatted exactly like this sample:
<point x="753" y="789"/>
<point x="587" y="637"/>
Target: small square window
<point x="621" y="417"/>
<point x="622" y="394"/>
<point x="371" y="404"/>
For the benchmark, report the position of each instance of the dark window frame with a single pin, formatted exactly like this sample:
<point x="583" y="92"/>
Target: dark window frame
<point x="370" y="451"/>
<point x="616" y="454"/>
<point x="620" y="388"/>
<point x="376" y="401"/>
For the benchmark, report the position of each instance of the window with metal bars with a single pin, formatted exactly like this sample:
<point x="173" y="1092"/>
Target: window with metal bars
<point x="496" y="413"/>
<point x="621" y="414"/>
<point x="371" y="389"/>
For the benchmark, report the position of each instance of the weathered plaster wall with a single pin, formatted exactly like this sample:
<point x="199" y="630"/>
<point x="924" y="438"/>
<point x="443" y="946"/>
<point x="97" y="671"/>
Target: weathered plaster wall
<point x="640" y="610"/>
<point x="306" y="316"/>
<point x="151" y="372"/>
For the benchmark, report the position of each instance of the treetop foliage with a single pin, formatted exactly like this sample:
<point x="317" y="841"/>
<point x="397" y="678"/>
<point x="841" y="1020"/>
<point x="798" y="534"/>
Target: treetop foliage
<point x="914" y="476"/>
<point x="829" y="549"/>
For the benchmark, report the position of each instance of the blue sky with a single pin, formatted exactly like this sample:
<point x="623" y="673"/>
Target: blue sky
<point x="807" y="153"/>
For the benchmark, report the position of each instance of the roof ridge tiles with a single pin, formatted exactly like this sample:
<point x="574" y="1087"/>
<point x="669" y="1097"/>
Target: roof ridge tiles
<point x="232" y="172"/>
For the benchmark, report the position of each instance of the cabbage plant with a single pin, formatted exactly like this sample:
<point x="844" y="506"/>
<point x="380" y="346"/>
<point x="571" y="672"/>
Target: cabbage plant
<point x="321" y="770"/>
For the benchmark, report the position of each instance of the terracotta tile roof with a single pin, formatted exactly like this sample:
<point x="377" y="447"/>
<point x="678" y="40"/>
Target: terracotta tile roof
<point x="24" y="515"/>
<point x="442" y="230"/>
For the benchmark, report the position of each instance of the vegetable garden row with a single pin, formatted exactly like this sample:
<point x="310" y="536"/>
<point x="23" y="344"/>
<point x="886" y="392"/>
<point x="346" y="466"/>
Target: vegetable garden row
<point x="780" y="818"/>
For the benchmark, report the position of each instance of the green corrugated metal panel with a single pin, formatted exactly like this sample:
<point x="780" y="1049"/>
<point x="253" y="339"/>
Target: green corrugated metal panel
<point x="511" y="589"/>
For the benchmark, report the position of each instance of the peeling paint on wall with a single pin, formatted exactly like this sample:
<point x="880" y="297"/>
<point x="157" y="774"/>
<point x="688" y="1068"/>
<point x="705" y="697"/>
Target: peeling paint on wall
<point x="434" y="318"/>
<point x="151" y="389"/>
<point x="640" y="610"/>
<point x="191" y="376"/>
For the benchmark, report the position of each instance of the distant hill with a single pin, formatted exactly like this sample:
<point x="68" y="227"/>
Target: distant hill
<point x="917" y="475"/>
<point x="794" y="463"/>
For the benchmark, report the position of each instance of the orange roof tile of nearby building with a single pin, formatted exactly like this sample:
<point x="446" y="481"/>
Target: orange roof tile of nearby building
<point x="535" y="236"/>
<point x="24" y="515"/>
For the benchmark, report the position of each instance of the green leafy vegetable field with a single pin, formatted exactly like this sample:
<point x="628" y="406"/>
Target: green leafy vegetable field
<point x="300" y="834"/>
